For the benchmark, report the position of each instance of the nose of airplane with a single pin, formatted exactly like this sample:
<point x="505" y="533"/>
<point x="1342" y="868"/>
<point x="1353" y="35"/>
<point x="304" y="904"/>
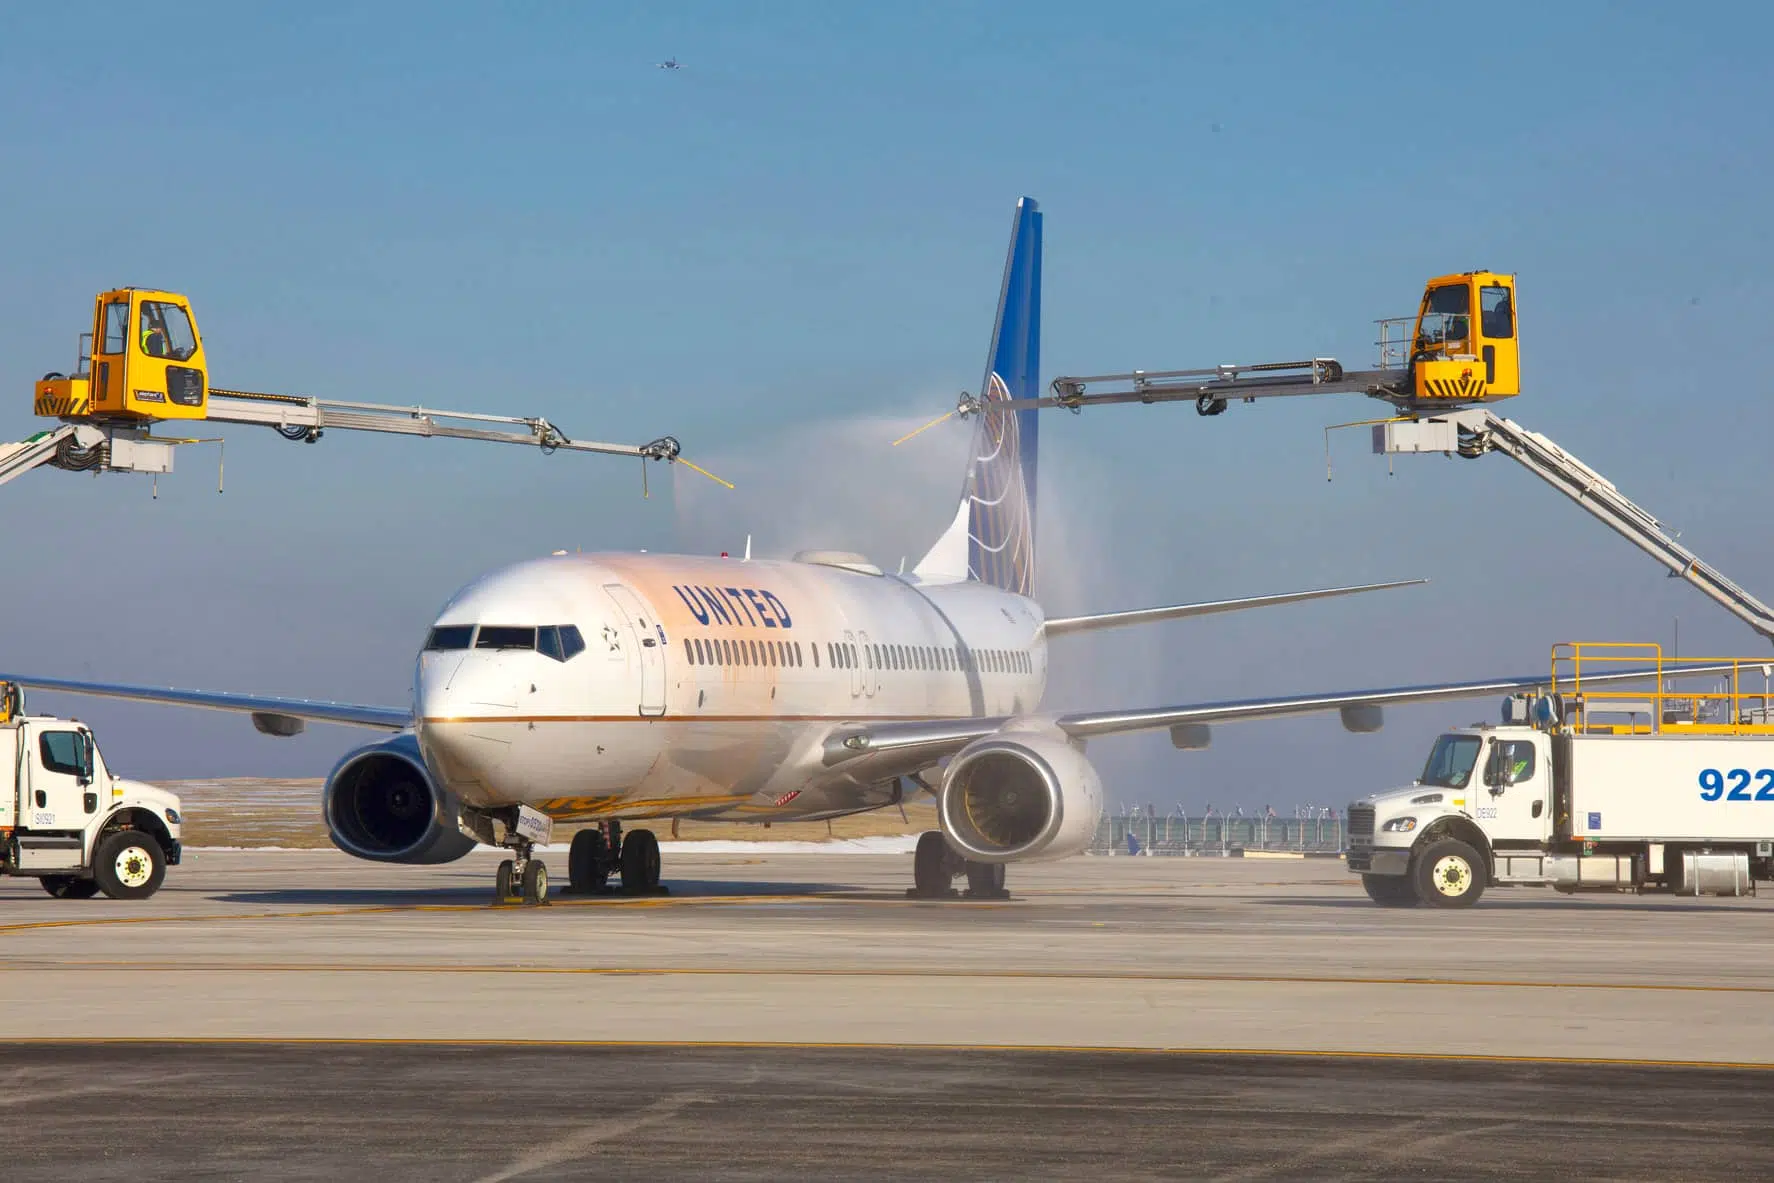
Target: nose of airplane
<point x="465" y="683"/>
<point x="459" y="698"/>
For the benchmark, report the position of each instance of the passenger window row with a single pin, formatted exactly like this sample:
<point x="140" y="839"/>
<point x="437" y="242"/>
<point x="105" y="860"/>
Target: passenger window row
<point x="928" y="658"/>
<point x="779" y="654"/>
<point x="564" y="642"/>
<point x="935" y="659"/>
<point x="559" y="641"/>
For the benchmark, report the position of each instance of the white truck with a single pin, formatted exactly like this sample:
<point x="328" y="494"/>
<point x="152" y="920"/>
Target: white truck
<point x="1586" y="787"/>
<point x="65" y="819"/>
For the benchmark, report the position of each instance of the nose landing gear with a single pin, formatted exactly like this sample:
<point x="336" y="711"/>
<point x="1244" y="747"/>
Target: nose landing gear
<point x="522" y="878"/>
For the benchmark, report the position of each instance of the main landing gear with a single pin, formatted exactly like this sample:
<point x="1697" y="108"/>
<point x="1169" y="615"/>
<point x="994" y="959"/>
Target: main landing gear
<point x="935" y="866"/>
<point x="598" y="853"/>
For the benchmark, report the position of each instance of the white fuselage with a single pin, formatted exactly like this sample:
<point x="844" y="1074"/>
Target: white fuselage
<point x="706" y="686"/>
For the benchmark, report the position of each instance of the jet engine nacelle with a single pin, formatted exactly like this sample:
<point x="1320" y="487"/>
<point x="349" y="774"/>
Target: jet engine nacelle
<point x="1024" y="792"/>
<point x="382" y="804"/>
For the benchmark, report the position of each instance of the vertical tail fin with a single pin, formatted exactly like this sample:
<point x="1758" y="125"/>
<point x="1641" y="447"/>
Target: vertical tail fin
<point x="996" y="518"/>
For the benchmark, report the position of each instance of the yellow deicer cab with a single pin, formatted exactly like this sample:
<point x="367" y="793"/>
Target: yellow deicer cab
<point x="1464" y="347"/>
<point x="146" y="363"/>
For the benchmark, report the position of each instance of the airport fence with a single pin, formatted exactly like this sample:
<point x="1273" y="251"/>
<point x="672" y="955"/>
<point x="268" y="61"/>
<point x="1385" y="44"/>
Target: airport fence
<point x="1316" y="831"/>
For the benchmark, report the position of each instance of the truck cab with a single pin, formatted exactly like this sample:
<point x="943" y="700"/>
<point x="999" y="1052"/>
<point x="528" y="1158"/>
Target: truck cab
<point x="1463" y="346"/>
<point x="1485" y="794"/>
<point x="68" y="821"/>
<point x="142" y="362"/>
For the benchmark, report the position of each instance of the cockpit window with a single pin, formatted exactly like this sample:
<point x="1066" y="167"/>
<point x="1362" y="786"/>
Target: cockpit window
<point x="572" y="644"/>
<point x="504" y="636"/>
<point x="450" y="636"/>
<point x="560" y="642"/>
<point x="548" y="642"/>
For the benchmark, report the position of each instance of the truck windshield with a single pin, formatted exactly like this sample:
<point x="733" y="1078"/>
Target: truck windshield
<point x="1451" y="760"/>
<point x="166" y="331"/>
<point x="1444" y="317"/>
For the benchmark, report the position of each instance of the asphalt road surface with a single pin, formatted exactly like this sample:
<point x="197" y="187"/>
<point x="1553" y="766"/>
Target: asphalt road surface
<point x="103" y="1112"/>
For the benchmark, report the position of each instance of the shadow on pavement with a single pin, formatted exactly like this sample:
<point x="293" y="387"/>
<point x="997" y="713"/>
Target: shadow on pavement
<point x="477" y="896"/>
<point x="1492" y="904"/>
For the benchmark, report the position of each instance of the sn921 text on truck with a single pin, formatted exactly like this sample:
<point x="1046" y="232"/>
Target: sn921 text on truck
<point x="1586" y="788"/>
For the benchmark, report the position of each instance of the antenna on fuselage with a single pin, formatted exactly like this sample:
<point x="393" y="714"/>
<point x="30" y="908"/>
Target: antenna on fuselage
<point x="747" y="557"/>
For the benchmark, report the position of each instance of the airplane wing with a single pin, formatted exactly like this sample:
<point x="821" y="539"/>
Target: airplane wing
<point x="274" y="716"/>
<point x="886" y="749"/>
<point x="1060" y="626"/>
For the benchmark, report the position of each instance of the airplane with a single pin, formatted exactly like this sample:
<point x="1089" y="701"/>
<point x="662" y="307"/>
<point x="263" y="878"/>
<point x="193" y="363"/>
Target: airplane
<point x="671" y="64"/>
<point x="619" y="687"/>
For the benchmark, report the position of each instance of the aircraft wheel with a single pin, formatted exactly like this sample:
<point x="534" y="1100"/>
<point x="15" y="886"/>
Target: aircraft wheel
<point x="930" y="865"/>
<point x="535" y="882"/>
<point x="985" y="881"/>
<point x="503" y="881"/>
<point x="70" y="887"/>
<point x="588" y="863"/>
<point x="640" y="861"/>
<point x="128" y="865"/>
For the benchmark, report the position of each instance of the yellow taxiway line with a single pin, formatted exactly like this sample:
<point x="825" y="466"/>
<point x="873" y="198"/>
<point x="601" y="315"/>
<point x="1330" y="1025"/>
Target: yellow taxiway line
<point x="35" y="964"/>
<point x="493" y="905"/>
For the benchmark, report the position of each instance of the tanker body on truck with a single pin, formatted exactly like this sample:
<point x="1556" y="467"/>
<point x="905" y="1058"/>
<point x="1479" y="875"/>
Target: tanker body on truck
<point x="66" y="820"/>
<point x="1653" y="789"/>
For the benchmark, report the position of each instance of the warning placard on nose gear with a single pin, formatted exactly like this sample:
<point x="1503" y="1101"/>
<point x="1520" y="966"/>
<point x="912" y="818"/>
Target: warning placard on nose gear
<point x="535" y="825"/>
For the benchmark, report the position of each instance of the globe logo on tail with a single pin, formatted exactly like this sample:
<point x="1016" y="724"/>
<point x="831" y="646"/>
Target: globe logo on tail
<point x="1000" y="524"/>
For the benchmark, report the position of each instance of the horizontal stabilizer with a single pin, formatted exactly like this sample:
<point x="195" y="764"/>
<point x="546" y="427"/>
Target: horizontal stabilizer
<point x="1080" y="624"/>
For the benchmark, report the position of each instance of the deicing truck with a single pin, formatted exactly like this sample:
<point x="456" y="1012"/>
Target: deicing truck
<point x="66" y="820"/>
<point x="1654" y="788"/>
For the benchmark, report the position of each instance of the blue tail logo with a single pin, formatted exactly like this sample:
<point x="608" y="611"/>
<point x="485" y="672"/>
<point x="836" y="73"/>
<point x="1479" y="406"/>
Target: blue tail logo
<point x="1001" y="480"/>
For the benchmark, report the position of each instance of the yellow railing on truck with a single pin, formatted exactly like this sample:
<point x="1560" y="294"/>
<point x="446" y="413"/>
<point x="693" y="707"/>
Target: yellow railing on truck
<point x="1719" y="695"/>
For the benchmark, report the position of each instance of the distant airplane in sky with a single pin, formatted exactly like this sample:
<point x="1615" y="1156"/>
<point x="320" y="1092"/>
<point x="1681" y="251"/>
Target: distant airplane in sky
<point x="671" y="64"/>
<point x="618" y="687"/>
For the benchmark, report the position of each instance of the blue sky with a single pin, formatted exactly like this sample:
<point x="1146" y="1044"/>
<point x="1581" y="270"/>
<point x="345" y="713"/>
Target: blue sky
<point x="788" y="249"/>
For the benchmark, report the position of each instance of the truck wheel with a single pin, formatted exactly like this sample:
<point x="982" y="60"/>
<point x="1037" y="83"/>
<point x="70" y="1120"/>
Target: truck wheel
<point x="128" y="865"/>
<point x="70" y="887"/>
<point x="1449" y="874"/>
<point x="1390" y="891"/>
